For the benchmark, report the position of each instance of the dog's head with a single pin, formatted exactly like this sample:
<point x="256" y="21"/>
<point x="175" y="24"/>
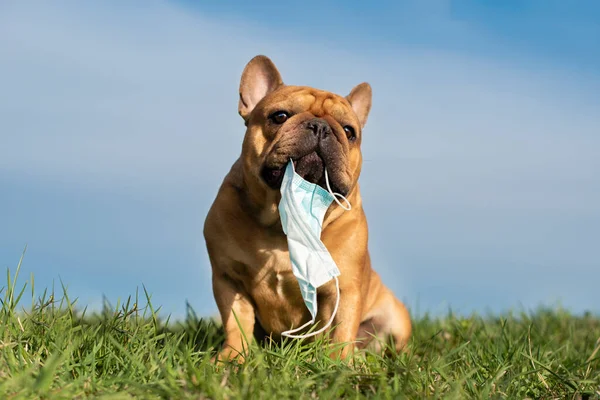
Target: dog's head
<point x="314" y="128"/>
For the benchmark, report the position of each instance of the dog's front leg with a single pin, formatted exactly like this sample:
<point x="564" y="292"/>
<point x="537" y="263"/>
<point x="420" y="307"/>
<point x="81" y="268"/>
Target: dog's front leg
<point x="346" y="321"/>
<point x="237" y="316"/>
<point x="348" y="248"/>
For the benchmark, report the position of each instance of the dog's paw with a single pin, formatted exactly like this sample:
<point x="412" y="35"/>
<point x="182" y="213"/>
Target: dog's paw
<point x="226" y="356"/>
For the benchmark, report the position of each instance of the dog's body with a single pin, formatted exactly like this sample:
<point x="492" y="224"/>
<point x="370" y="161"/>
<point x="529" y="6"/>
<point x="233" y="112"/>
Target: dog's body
<point x="252" y="274"/>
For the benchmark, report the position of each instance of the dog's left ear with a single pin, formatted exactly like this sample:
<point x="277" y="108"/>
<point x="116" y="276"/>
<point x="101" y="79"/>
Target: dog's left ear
<point x="260" y="77"/>
<point x="360" y="100"/>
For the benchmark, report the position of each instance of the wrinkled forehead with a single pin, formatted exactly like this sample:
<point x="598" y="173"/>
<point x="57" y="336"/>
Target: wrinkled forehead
<point x="301" y="99"/>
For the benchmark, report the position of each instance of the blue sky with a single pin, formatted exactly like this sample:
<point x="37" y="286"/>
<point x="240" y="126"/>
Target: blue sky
<point x="119" y="121"/>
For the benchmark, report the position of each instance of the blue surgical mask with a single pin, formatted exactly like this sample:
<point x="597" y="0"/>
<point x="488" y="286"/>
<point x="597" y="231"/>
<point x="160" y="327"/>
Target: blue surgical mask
<point x="302" y="209"/>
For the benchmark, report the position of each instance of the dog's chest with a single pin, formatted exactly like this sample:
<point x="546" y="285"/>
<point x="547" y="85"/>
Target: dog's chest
<point x="275" y="291"/>
<point x="274" y="272"/>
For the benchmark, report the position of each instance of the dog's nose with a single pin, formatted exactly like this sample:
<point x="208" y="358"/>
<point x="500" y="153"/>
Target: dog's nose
<point x="320" y="127"/>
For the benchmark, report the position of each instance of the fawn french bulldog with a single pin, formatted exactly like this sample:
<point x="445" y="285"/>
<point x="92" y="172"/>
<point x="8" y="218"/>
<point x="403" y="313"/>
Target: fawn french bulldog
<point x="253" y="284"/>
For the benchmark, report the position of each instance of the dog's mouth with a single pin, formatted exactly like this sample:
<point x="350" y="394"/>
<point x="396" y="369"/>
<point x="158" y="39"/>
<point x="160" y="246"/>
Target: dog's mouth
<point x="310" y="167"/>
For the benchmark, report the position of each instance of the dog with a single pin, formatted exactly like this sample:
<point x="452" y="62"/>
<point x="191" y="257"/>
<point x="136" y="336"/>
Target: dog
<point x="252" y="280"/>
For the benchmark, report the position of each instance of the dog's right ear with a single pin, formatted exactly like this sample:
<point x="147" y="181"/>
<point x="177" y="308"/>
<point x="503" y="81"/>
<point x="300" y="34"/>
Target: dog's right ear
<point x="260" y="77"/>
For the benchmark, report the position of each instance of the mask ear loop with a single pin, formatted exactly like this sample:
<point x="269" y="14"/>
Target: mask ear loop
<point x="336" y="195"/>
<point x="337" y="303"/>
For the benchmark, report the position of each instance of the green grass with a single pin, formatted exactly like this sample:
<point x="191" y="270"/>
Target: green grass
<point x="54" y="350"/>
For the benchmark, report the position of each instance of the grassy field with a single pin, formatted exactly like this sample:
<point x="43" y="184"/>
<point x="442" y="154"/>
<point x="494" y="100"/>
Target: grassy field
<point x="53" y="349"/>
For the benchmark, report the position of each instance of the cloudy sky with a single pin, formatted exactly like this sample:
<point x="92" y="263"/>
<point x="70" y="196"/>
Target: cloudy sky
<point x="481" y="179"/>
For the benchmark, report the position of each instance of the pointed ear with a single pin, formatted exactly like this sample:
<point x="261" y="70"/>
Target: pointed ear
<point x="360" y="99"/>
<point x="260" y="77"/>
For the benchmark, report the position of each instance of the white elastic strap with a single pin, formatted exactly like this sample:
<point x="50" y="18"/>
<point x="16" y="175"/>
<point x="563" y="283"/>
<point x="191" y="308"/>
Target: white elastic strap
<point x="336" y="195"/>
<point x="337" y="303"/>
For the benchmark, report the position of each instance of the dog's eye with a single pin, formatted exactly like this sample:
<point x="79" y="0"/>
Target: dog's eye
<point x="350" y="132"/>
<point x="279" y="117"/>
